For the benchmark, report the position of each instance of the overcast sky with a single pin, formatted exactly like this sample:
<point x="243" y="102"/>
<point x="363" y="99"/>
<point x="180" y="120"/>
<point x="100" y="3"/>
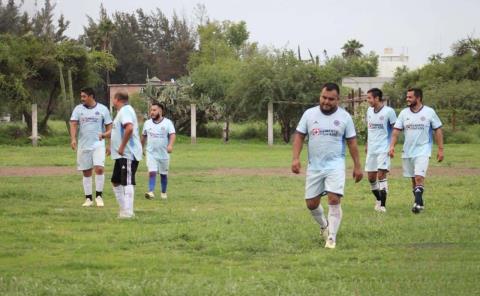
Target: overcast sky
<point x="419" y="28"/>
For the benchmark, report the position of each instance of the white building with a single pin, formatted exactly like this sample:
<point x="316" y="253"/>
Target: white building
<point x="390" y="61"/>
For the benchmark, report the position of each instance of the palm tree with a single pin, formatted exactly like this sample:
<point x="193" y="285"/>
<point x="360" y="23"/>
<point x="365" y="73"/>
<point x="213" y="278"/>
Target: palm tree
<point x="352" y="49"/>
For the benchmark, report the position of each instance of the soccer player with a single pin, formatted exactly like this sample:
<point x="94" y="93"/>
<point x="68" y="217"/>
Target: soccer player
<point x="91" y="119"/>
<point x="380" y="121"/>
<point x="159" y="133"/>
<point x="126" y="151"/>
<point x="328" y="128"/>
<point x="418" y="122"/>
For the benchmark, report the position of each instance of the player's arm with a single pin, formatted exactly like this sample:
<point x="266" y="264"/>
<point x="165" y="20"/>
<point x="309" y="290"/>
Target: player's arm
<point x="128" y="131"/>
<point x="297" y="146"/>
<point x="395" y="134"/>
<point x="439" y="140"/>
<point x="73" y="134"/>
<point x="171" y="140"/>
<point x="353" y="148"/>
<point x="108" y="130"/>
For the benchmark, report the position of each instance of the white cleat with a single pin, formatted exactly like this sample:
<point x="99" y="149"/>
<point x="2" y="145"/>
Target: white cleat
<point x="377" y="205"/>
<point x="382" y="209"/>
<point x="125" y="215"/>
<point x="330" y="244"/>
<point x="149" y="195"/>
<point x="163" y="195"/>
<point x="87" y="203"/>
<point x="99" y="201"/>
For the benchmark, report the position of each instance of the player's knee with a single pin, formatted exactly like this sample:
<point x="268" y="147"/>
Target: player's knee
<point x="152" y="174"/>
<point x="333" y="199"/>
<point x="313" y="203"/>
<point x="99" y="170"/>
<point x="87" y="173"/>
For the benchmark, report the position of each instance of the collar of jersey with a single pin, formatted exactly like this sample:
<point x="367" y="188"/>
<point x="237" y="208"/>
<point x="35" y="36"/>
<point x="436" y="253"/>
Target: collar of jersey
<point x="378" y="109"/>
<point x="417" y="111"/>
<point x="90" y="107"/>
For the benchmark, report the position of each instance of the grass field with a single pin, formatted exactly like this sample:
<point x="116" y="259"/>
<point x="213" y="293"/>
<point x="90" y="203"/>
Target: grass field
<point x="243" y="231"/>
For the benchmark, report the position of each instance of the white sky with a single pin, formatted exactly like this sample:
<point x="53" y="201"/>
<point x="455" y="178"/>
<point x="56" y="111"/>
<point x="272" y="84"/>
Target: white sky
<point x="419" y="28"/>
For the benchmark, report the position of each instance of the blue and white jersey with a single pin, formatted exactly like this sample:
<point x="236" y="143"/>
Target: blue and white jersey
<point x="380" y="129"/>
<point x="133" y="149"/>
<point x="157" y="137"/>
<point x="91" y="123"/>
<point x="418" y="128"/>
<point x="326" y="137"/>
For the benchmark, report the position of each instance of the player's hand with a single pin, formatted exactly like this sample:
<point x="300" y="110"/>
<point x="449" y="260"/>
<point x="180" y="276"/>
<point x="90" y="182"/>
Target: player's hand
<point x="296" y="166"/>
<point x="440" y="155"/>
<point x="169" y="148"/>
<point x="391" y="153"/>
<point x="101" y="136"/>
<point x="108" y="151"/>
<point x="357" y="174"/>
<point x="73" y="143"/>
<point x="121" y="150"/>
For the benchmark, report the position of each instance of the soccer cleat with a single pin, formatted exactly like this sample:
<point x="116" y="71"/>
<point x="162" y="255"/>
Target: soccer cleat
<point x="377" y="205"/>
<point x="330" y="244"/>
<point x="382" y="209"/>
<point x="324" y="232"/>
<point x="125" y="215"/>
<point x="163" y="195"/>
<point x="88" y="203"/>
<point x="149" y="195"/>
<point x="416" y="209"/>
<point x="99" y="201"/>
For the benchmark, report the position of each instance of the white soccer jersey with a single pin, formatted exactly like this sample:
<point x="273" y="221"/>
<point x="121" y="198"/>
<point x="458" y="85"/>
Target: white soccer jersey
<point x="91" y="122"/>
<point x="380" y="129"/>
<point x="418" y="128"/>
<point x="326" y="137"/>
<point x="157" y="137"/>
<point x="133" y="149"/>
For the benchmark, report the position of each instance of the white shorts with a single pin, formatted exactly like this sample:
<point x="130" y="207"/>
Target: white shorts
<point x="416" y="166"/>
<point x="158" y="165"/>
<point x="87" y="159"/>
<point x="318" y="183"/>
<point x="375" y="162"/>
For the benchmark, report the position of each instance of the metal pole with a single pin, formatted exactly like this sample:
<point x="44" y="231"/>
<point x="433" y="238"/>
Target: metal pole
<point x="270" y="123"/>
<point x="193" y="123"/>
<point x="34" y="126"/>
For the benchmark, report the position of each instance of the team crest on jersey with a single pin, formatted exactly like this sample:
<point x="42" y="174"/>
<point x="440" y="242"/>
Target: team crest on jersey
<point x="336" y="123"/>
<point x="382" y="118"/>
<point x="422" y="118"/>
<point x="163" y="128"/>
<point x="97" y="113"/>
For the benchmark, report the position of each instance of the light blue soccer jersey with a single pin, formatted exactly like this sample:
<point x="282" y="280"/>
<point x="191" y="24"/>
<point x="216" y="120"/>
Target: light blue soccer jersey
<point x="91" y="122"/>
<point x="157" y="137"/>
<point x="380" y="129"/>
<point x="326" y="137"/>
<point x="133" y="150"/>
<point x="418" y="128"/>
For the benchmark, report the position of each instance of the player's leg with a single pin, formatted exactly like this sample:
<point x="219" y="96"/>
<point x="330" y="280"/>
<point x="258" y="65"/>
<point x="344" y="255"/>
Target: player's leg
<point x="99" y="164"/>
<point x="118" y="188"/>
<point x="383" y="161"/>
<point x="334" y="185"/>
<point x="421" y="166"/>
<point x="314" y="188"/>
<point x="164" y="164"/>
<point x="371" y="169"/>
<point x="128" y="181"/>
<point x="152" y="167"/>
<point x="85" y="164"/>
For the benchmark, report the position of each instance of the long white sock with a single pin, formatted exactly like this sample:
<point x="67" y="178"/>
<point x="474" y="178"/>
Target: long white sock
<point x="99" y="182"/>
<point x="318" y="215"/>
<point x="120" y="196"/>
<point x="334" y="219"/>
<point x="87" y="185"/>
<point x="129" y="198"/>
<point x="383" y="184"/>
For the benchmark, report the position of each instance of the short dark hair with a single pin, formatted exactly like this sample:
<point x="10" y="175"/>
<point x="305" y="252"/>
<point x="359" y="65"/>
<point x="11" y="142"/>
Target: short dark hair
<point x="417" y="92"/>
<point x="160" y="105"/>
<point x="89" y="91"/>
<point x="376" y="92"/>
<point x="331" y="86"/>
<point x="122" y="96"/>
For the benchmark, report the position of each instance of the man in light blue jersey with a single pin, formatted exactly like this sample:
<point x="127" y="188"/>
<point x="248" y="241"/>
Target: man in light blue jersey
<point x="159" y="133"/>
<point x="91" y="119"/>
<point x="380" y="121"/>
<point x="328" y="128"/>
<point x="419" y="123"/>
<point x="126" y="151"/>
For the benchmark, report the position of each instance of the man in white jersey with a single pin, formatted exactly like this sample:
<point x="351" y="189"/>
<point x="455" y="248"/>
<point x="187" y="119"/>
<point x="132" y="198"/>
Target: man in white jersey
<point x="126" y="150"/>
<point x="380" y="121"/>
<point x="328" y="128"/>
<point x="159" y="133"/>
<point x="419" y="123"/>
<point x="91" y="119"/>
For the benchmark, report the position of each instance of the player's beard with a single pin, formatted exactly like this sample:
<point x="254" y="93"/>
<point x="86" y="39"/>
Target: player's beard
<point x="156" y="117"/>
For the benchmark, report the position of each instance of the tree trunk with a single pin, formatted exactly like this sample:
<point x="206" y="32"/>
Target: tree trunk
<point x="286" y="130"/>
<point x="42" y="127"/>
<point x="28" y="119"/>
<point x="226" y="131"/>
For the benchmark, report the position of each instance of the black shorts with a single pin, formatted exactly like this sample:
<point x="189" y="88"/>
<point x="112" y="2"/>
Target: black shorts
<point x="124" y="171"/>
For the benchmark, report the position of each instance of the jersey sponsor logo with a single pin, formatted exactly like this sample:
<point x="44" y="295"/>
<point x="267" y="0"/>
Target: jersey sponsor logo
<point x="325" y="132"/>
<point x="415" y="126"/>
<point x="375" y="125"/>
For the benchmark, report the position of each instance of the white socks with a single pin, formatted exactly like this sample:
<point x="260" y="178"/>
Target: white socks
<point x="87" y="185"/>
<point x="129" y="198"/>
<point x="99" y="182"/>
<point x="383" y="184"/>
<point x="120" y="196"/>
<point x="334" y="219"/>
<point x="318" y="215"/>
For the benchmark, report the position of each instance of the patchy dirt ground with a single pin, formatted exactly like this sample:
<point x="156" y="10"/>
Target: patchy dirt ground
<point x="59" y="171"/>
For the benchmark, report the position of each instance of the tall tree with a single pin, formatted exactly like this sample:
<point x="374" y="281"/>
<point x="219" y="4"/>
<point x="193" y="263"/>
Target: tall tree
<point x="352" y="49"/>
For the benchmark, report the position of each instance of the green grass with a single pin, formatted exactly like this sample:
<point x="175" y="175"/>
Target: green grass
<point x="234" y="234"/>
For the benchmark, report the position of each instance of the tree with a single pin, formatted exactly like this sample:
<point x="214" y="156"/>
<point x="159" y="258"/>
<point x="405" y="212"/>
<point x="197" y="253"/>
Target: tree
<point x="352" y="49"/>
